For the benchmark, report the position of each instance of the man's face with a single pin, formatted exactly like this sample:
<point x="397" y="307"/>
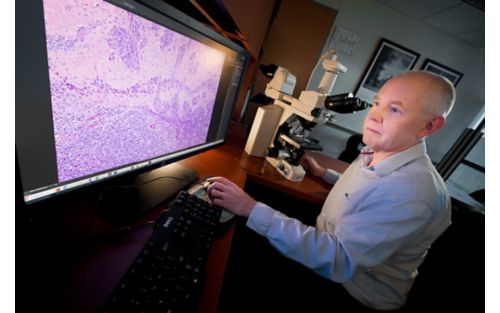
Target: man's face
<point x="398" y="117"/>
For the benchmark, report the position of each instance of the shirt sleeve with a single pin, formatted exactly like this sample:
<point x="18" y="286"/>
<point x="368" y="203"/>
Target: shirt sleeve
<point x="304" y="244"/>
<point x="361" y="240"/>
<point x="331" y="176"/>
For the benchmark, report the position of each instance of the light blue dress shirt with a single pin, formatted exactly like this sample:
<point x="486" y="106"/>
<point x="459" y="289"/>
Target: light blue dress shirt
<point x="374" y="229"/>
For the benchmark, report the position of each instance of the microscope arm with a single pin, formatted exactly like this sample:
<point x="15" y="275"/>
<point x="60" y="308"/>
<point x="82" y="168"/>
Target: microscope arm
<point x="283" y="132"/>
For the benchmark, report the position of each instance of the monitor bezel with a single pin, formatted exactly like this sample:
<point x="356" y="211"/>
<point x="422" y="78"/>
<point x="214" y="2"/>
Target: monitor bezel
<point x="164" y="14"/>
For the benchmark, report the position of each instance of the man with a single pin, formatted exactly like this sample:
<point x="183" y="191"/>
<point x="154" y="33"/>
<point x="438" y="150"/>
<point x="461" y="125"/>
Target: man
<point x="383" y="212"/>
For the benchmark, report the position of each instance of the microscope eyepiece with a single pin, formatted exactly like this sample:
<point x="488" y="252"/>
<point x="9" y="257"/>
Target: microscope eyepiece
<point x="345" y="103"/>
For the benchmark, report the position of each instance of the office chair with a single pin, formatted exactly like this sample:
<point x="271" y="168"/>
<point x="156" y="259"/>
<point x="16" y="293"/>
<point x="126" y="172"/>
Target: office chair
<point x="478" y="195"/>
<point x="352" y="148"/>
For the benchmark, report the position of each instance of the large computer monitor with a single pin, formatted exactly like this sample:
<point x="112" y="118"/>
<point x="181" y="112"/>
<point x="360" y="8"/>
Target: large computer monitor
<point x="107" y="88"/>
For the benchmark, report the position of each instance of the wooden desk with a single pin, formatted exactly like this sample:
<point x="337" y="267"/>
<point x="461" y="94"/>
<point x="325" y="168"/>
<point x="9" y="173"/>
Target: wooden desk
<point x="232" y="162"/>
<point x="75" y="275"/>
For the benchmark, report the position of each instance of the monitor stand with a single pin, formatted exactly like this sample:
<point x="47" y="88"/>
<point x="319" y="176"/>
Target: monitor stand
<point x="127" y="200"/>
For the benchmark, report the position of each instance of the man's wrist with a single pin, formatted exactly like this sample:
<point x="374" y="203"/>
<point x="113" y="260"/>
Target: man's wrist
<point x="320" y="171"/>
<point x="250" y="206"/>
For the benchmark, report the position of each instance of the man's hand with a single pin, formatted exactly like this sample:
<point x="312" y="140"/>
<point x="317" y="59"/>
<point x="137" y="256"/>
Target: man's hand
<point x="311" y="165"/>
<point x="225" y="193"/>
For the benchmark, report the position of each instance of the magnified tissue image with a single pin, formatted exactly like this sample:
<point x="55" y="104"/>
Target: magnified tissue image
<point x="123" y="89"/>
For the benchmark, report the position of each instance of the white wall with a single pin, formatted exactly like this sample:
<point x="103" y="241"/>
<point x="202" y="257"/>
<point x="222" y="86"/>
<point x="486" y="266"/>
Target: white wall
<point x="372" y="20"/>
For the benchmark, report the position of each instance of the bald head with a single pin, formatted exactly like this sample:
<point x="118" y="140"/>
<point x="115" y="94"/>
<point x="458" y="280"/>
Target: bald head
<point x="438" y="92"/>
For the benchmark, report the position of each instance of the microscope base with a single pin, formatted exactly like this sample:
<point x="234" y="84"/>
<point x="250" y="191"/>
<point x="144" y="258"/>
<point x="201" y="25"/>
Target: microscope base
<point x="290" y="172"/>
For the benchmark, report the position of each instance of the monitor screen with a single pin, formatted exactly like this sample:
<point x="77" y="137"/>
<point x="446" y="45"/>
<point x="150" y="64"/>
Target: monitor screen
<point x="105" y="88"/>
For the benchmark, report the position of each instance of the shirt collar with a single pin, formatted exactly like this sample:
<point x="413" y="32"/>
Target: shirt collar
<point x="395" y="161"/>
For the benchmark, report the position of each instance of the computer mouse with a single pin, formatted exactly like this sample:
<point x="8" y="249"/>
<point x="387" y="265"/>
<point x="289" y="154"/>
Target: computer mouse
<point x="199" y="189"/>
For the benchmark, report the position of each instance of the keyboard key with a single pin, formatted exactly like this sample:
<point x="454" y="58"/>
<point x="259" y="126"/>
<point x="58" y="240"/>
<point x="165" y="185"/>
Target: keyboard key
<point x="167" y="275"/>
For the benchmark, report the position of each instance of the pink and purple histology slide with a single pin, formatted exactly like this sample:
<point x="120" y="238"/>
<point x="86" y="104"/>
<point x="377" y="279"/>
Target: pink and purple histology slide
<point x="123" y="89"/>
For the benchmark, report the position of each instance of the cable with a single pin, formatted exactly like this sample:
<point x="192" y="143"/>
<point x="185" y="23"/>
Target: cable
<point x="118" y="230"/>
<point x="144" y="183"/>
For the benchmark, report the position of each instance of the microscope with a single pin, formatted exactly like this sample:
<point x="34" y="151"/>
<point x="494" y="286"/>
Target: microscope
<point x="281" y="131"/>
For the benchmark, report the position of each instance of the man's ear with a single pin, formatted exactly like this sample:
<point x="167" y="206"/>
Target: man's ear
<point x="431" y="126"/>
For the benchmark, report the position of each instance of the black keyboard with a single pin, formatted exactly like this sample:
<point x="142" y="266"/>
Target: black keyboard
<point x="169" y="273"/>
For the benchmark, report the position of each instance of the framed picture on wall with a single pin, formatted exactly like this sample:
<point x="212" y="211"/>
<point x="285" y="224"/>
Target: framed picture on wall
<point x="389" y="59"/>
<point x="442" y="70"/>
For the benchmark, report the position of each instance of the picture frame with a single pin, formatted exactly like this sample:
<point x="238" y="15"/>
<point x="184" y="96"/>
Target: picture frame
<point x="442" y="70"/>
<point x="389" y="59"/>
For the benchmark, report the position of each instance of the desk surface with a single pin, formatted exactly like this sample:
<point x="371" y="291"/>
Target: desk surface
<point x="232" y="162"/>
<point x="91" y="272"/>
